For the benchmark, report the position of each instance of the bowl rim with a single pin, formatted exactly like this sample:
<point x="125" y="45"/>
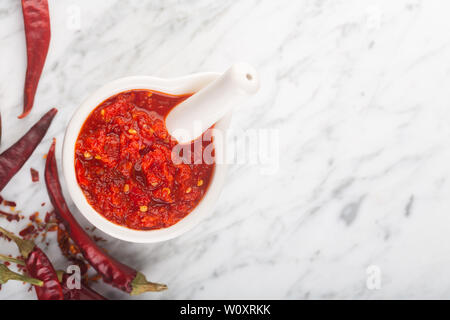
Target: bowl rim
<point x="176" y="86"/>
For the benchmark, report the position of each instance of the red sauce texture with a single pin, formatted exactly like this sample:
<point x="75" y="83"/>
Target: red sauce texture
<point x="123" y="163"/>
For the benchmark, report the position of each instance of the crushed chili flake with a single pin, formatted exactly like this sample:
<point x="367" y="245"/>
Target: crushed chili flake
<point x="91" y="229"/>
<point x="94" y="278"/>
<point x="34" y="175"/>
<point x="49" y="216"/>
<point x="34" y="216"/>
<point x="36" y="227"/>
<point x="11" y="216"/>
<point x="8" y="203"/>
<point x="27" y="232"/>
<point x="2" y="236"/>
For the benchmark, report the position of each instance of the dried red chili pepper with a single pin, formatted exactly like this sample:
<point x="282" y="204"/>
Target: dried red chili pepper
<point x="112" y="271"/>
<point x="12" y="159"/>
<point x="37" y="32"/>
<point x="10" y="216"/>
<point x="84" y="293"/>
<point x="39" y="267"/>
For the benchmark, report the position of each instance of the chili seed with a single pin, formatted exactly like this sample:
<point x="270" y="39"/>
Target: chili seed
<point x="87" y="155"/>
<point x="126" y="188"/>
<point x="199" y="183"/>
<point x="132" y="131"/>
<point x="167" y="190"/>
<point x="154" y="184"/>
<point x="98" y="157"/>
<point x="188" y="190"/>
<point x="102" y="112"/>
<point x="143" y="208"/>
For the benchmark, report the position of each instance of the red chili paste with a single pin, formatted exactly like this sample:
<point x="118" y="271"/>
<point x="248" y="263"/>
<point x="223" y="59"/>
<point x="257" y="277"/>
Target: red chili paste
<point x="124" y="167"/>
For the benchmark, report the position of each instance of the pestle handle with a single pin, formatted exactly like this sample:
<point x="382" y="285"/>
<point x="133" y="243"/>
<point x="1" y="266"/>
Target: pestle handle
<point x="188" y="120"/>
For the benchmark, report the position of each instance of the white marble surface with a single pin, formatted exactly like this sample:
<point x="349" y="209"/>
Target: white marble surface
<point x="359" y="91"/>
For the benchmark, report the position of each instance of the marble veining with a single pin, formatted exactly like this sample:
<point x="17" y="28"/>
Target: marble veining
<point x="359" y="93"/>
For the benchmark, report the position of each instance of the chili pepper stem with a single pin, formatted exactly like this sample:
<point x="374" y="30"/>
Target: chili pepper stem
<point x="25" y="246"/>
<point x="6" y="275"/>
<point x="60" y="275"/>
<point x="13" y="260"/>
<point x="141" y="285"/>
